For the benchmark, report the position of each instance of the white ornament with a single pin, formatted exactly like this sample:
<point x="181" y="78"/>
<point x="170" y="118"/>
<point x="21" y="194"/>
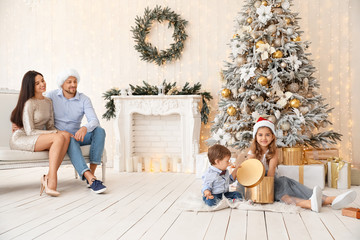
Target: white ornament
<point x="247" y="72"/>
<point x="304" y="110"/>
<point x="265" y="50"/>
<point x="264" y="13"/>
<point x="253" y="97"/>
<point x="294" y="62"/>
<point x="277" y="42"/>
<point x="257" y="4"/>
<point x="285" y="126"/>
<point x="272" y="119"/>
<point x="283" y="64"/>
<point x="255" y="115"/>
<point x="238" y="135"/>
<point x="240" y="61"/>
<point x="285" y="5"/>
<point x="259" y="100"/>
<point x="271" y="29"/>
<point x="290" y="31"/>
<point x="284" y="99"/>
<point x="277" y="114"/>
<point x="241" y="90"/>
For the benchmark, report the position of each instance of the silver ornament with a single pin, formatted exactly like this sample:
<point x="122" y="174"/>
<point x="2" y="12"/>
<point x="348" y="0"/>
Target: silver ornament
<point x="293" y="87"/>
<point x="271" y="29"/>
<point x="304" y="110"/>
<point x="285" y="126"/>
<point x="259" y="100"/>
<point x="257" y="4"/>
<point x="241" y="90"/>
<point x="277" y="42"/>
<point x="272" y="119"/>
<point x="290" y="31"/>
<point x="240" y="61"/>
<point x="238" y="135"/>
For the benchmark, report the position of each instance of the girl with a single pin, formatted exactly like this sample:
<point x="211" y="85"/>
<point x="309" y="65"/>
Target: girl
<point x="288" y="190"/>
<point x="34" y="118"/>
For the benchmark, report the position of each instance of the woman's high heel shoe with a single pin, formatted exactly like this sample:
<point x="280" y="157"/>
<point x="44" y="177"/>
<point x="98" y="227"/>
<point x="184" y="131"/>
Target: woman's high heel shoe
<point x="44" y="186"/>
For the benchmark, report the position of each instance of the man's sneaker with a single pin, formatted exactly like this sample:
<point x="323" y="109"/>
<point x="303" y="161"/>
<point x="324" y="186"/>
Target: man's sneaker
<point x="97" y="186"/>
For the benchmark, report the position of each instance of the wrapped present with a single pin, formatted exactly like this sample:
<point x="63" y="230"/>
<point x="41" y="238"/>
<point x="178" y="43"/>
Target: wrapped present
<point x="355" y="176"/>
<point x="339" y="173"/>
<point x="321" y="154"/>
<point x="292" y="156"/>
<point x="310" y="175"/>
<point x="351" y="212"/>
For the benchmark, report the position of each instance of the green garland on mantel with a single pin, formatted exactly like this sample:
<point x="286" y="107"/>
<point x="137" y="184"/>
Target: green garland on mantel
<point x="143" y="27"/>
<point x="169" y="89"/>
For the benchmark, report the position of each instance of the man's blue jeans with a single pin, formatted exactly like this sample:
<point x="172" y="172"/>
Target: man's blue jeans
<point x="96" y="139"/>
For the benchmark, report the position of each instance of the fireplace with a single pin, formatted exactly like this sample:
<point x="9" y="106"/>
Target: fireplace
<point x="157" y="126"/>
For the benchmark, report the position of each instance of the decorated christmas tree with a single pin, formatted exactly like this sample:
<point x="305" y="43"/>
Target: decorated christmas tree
<point x="270" y="75"/>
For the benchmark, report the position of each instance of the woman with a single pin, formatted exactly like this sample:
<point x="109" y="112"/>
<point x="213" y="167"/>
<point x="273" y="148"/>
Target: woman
<point x="34" y="117"/>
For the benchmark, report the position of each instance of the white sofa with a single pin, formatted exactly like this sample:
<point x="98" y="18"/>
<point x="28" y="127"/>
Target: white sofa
<point x="10" y="159"/>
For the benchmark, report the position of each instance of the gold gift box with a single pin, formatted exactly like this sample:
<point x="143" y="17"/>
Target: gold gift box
<point x="292" y="156"/>
<point x="321" y="154"/>
<point x="261" y="193"/>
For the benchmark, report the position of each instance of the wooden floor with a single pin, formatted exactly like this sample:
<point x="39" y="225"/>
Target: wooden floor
<point x="143" y="206"/>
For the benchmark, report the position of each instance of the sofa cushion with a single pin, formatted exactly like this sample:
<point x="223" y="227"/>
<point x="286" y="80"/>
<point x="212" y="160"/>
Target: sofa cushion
<point x="6" y="154"/>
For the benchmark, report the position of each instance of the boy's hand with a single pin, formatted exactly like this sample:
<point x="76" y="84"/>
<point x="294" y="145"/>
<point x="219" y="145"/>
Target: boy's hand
<point x="208" y="195"/>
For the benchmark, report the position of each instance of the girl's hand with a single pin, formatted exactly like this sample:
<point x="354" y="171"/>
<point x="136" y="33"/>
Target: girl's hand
<point x="208" y="195"/>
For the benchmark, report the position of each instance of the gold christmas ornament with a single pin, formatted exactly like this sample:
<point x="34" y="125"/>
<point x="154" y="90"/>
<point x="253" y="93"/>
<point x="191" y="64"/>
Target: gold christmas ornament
<point x="231" y="111"/>
<point x="249" y="20"/>
<point x="287" y="20"/>
<point x="226" y="93"/>
<point x="295" y="103"/>
<point x="262" y="80"/>
<point x="258" y="43"/>
<point x="277" y="54"/>
<point x="297" y="39"/>
<point x="265" y="3"/>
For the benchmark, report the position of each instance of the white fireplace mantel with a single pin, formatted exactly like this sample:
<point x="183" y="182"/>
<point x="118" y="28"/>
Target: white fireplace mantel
<point x="187" y="106"/>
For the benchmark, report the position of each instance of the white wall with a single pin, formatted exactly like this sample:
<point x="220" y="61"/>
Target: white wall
<point x="94" y="37"/>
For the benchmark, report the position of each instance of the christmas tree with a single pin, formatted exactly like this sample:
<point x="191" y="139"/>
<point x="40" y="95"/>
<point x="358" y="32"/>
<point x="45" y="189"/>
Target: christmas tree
<point x="271" y="76"/>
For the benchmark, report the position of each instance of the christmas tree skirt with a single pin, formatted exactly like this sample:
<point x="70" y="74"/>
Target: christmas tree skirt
<point x="194" y="203"/>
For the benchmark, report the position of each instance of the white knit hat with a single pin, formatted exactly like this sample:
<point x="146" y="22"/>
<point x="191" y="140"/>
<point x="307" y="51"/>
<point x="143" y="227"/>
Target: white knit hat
<point x="61" y="78"/>
<point x="262" y="122"/>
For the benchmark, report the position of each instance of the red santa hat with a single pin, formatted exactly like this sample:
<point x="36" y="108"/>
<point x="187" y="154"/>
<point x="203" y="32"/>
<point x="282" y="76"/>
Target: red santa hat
<point x="262" y="122"/>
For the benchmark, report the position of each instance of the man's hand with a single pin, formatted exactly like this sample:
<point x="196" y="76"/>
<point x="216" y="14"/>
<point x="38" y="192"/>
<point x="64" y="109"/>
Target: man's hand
<point x="208" y="195"/>
<point x="80" y="134"/>
<point x="14" y="127"/>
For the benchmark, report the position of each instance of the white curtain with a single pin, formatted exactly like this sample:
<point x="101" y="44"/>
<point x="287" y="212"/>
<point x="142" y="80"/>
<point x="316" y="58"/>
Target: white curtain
<point x="94" y="37"/>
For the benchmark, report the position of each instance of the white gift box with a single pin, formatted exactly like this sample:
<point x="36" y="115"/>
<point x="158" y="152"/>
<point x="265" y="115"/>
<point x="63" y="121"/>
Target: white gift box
<point x="344" y="176"/>
<point x="310" y="175"/>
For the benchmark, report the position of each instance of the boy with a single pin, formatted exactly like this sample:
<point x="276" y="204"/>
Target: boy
<point x="216" y="180"/>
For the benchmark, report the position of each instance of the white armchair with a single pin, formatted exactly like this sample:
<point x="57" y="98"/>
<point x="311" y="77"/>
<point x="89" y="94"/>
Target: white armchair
<point x="10" y="159"/>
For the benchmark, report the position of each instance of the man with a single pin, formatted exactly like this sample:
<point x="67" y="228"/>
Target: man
<point x="70" y="106"/>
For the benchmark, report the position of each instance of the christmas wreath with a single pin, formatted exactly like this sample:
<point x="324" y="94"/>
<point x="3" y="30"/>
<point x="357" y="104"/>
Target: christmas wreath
<point x="169" y="89"/>
<point x="143" y="27"/>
